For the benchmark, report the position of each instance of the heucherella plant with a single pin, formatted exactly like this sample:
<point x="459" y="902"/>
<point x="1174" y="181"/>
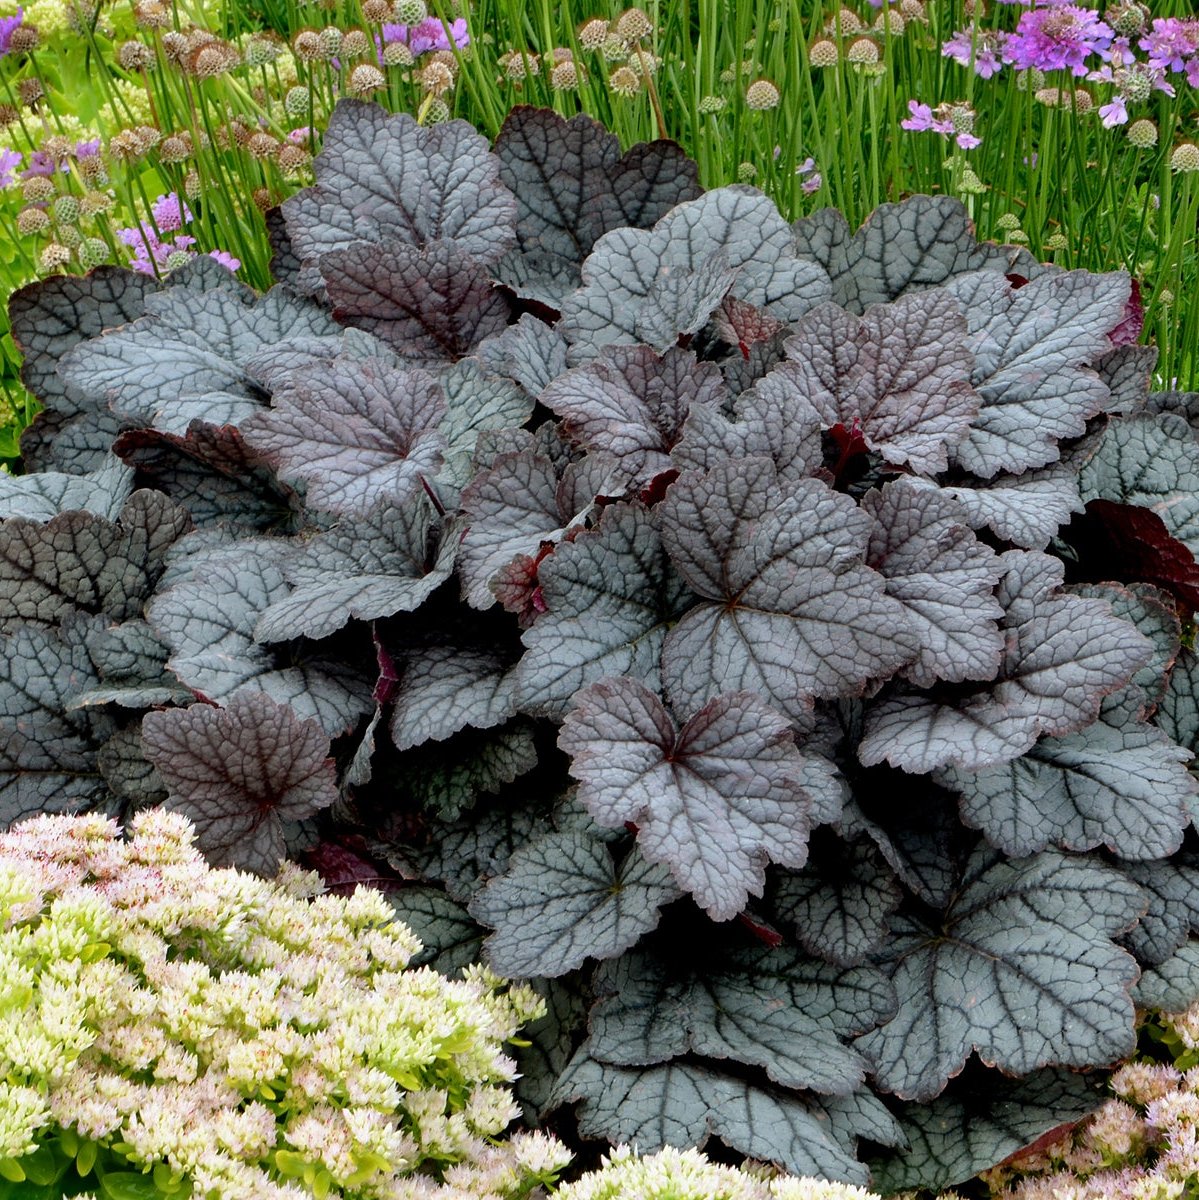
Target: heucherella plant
<point x="171" y="1030"/>
<point x="770" y="640"/>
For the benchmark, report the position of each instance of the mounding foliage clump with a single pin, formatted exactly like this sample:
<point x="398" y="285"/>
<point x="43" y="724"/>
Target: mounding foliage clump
<point x="769" y="640"/>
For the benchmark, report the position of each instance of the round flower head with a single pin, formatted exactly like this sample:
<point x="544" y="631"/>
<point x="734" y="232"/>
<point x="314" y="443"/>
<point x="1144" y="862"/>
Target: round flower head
<point x="1185" y="158"/>
<point x="411" y="12"/>
<point x="889" y="21"/>
<point x="66" y="210"/>
<point x="761" y="95"/>
<point x="435" y="112"/>
<point x="436" y="78"/>
<point x="92" y="252"/>
<point x="844" y="21"/>
<point x="823" y="53"/>
<point x="376" y="11"/>
<point x="624" y="82"/>
<point x="710" y="105"/>
<point x="365" y="79"/>
<point x="24" y="39"/>
<point x="307" y="45"/>
<point x="355" y="44"/>
<point x="1056" y="241"/>
<point x="135" y="56"/>
<point x="31" y="221"/>
<point x="1142" y="134"/>
<point x="746" y="172"/>
<point x="54" y="256"/>
<point x="593" y="33"/>
<point x="862" y="50"/>
<point x="632" y="25"/>
<point x="397" y="54"/>
<point x="564" y="77"/>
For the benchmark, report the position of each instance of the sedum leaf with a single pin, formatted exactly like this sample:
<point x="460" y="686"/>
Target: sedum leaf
<point x="239" y="773"/>
<point x="713" y="801"/>
<point x="900" y="375"/>
<point x="943" y="576"/>
<point x="562" y="900"/>
<point x="1031" y="348"/>
<point x="356" y="432"/>
<point x="623" y="276"/>
<point x="790" y="609"/>
<point x="1021" y="969"/>
<point x="776" y="1010"/>
<point x="609" y="597"/>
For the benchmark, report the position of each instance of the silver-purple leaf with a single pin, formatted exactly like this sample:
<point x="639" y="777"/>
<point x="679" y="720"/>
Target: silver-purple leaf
<point x="357" y="433"/>
<point x="40" y="495"/>
<point x="384" y="179"/>
<point x="943" y="576"/>
<point x="609" y="597"/>
<point x="563" y="900"/>
<point x="630" y="403"/>
<point x="1021" y="969"/>
<point x="620" y="274"/>
<point x="900" y="375"/>
<point x="714" y="800"/>
<point x="1063" y="654"/>
<point x="790" y="610"/>
<point x="362" y="569"/>
<point x="238" y="773"/>
<point x="1032" y="347"/>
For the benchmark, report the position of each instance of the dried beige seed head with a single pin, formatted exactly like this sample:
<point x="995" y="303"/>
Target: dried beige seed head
<point x="262" y="199"/>
<point x="192" y="186"/>
<point x="172" y="150"/>
<point x="823" y="53"/>
<point x="8" y="114"/>
<point x="94" y="203"/>
<point x="37" y="189"/>
<point x="632" y="25"/>
<point x="126" y="146"/>
<point x="365" y="79"/>
<point x="593" y="33"/>
<point x="54" y="256"/>
<point x="913" y="10"/>
<point x="263" y="145"/>
<point x="292" y="158"/>
<point x="517" y="66"/>
<point x="30" y="91"/>
<point x="624" y="82"/>
<point x="24" y="39"/>
<point x="93" y="169"/>
<point x="307" y="46"/>
<point x="1083" y="100"/>
<point x="890" y="21"/>
<point x="1142" y="133"/>
<point x="845" y="21"/>
<point x="32" y="220"/>
<point x="376" y="10"/>
<point x="355" y="44"/>
<point x="151" y="14"/>
<point x="564" y="77"/>
<point x="1185" y="158"/>
<point x="147" y="137"/>
<point x="213" y="58"/>
<point x="862" y="50"/>
<point x="762" y="95"/>
<point x="396" y="54"/>
<point x="1052" y="97"/>
<point x="58" y="147"/>
<point x="135" y="56"/>
<point x="175" y="46"/>
<point x="330" y="38"/>
<point x="436" y="78"/>
<point x="446" y="58"/>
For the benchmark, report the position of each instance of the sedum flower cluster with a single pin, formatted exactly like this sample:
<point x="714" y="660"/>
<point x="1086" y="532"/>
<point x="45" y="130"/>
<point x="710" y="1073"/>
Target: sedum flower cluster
<point x="689" y="1175"/>
<point x="229" y="1036"/>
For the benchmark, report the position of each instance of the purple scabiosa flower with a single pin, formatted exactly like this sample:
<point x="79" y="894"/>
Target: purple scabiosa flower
<point x="300" y="136"/>
<point x="1058" y="39"/>
<point x="1114" y="113"/>
<point x="170" y="213"/>
<point x="225" y="259"/>
<point x="1171" y="43"/>
<point x="430" y="34"/>
<point x="10" y="160"/>
<point x="9" y="26"/>
<point x="812" y="179"/>
<point x="987" y="47"/>
<point x="87" y="149"/>
<point x="922" y="119"/>
<point x="40" y="163"/>
<point x="968" y="141"/>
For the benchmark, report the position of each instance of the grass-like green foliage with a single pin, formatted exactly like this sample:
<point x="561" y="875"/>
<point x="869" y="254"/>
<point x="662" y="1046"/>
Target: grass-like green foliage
<point x="739" y="84"/>
<point x="171" y="1030"/>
